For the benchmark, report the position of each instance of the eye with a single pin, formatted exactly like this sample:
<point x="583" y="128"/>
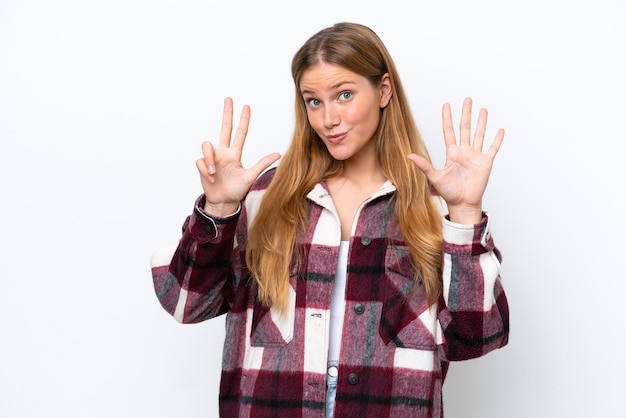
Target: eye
<point x="345" y="95"/>
<point x="312" y="102"/>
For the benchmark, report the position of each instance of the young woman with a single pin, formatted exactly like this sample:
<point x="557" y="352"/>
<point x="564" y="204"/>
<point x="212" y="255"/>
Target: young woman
<point x="354" y="271"/>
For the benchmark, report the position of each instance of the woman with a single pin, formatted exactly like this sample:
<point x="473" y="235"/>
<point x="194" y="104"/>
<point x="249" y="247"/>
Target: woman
<point x="353" y="272"/>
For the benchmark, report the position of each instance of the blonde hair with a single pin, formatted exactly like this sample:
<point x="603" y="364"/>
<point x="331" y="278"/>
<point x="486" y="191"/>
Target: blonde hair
<point x="282" y="216"/>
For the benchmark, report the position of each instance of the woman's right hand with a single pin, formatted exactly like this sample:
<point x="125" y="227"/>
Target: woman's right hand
<point x="224" y="180"/>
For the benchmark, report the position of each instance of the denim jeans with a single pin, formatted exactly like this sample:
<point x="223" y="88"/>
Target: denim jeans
<point x="331" y="388"/>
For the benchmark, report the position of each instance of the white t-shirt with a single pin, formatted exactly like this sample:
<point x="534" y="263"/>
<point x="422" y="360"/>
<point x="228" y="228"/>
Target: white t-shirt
<point x="338" y="302"/>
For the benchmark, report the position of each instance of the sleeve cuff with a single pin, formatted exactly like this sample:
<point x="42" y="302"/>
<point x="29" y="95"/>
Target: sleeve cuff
<point x="461" y="235"/>
<point x="205" y="227"/>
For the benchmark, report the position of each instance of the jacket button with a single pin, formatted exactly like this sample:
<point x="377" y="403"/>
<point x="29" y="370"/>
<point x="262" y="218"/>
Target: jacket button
<point x="359" y="308"/>
<point x="353" y="378"/>
<point x="366" y="241"/>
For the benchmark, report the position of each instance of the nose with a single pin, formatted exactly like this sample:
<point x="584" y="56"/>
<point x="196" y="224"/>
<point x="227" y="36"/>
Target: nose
<point x="331" y="116"/>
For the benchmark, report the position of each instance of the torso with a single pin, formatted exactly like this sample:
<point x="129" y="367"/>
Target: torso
<point x="347" y="196"/>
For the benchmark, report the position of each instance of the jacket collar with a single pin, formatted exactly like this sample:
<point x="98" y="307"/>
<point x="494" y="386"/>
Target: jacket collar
<point x="320" y="195"/>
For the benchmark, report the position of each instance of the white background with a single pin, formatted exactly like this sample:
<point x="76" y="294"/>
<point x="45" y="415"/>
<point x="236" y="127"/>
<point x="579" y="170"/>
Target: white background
<point x="104" y="105"/>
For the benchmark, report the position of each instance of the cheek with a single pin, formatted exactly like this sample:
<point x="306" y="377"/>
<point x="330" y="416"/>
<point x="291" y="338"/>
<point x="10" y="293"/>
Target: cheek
<point x="315" y="121"/>
<point x="364" y="116"/>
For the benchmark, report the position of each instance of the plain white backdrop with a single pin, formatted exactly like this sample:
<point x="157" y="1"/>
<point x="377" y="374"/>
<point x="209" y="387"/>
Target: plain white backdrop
<point x="104" y="105"/>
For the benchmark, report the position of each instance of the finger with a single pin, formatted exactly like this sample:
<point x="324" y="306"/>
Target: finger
<point x="465" y="128"/>
<point x="202" y="169"/>
<point x="242" y="128"/>
<point x="208" y="156"/>
<point x="201" y="166"/>
<point x="264" y="163"/>
<point x="448" y="128"/>
<point x="481" y="125"/>
<point x="423" y="164"/>
<point x="227" y="123"/>
<point x="495" y="145"/>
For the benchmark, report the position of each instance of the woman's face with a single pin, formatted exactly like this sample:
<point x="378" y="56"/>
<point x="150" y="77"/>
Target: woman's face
<point x="344" y="109"/>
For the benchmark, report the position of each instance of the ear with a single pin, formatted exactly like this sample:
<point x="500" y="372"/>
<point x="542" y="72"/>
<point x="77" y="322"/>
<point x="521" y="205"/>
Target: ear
<point x="385" y="90"/>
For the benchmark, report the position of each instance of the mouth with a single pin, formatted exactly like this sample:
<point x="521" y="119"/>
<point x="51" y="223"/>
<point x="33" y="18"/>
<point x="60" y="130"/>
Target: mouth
<point x="337" y="138"/>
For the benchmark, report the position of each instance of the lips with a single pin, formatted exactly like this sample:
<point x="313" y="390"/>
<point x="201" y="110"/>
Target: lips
<point x="335" y="139"/>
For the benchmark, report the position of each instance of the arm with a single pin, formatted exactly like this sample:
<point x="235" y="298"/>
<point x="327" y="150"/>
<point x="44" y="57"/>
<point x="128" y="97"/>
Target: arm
<point x="473" y="310"/>
<point x="194" y="280"/>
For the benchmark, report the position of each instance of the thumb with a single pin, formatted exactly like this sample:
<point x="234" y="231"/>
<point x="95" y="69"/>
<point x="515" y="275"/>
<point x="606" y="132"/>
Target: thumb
<point x="423" y="164"/>
<point x="264" y="163"/>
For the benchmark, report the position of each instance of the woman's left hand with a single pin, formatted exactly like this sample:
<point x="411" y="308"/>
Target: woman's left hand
<point x="463" y="179"/>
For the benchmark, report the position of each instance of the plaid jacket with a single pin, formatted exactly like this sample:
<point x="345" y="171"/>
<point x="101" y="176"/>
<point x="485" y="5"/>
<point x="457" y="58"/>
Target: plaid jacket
<point x="395" y="348"/>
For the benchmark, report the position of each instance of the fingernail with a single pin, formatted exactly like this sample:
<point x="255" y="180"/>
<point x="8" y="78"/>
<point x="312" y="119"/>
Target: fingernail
<point x="211" y="169"/>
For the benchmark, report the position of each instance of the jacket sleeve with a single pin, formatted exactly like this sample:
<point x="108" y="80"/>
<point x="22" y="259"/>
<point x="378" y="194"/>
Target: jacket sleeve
<point x="195" y="279"/>
<point x="473" y="310"/>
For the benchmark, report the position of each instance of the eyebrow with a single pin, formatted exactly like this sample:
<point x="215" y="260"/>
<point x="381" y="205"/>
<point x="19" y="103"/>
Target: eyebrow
<point x="335" y="86"/>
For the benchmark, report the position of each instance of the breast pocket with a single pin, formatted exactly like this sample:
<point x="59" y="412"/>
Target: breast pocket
<point x="271" y="327"/>
<point x="406" y="319"/>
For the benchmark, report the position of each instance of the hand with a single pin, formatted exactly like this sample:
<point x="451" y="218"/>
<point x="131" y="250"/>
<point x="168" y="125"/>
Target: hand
<point x="463" y="179"/>
<point x="224" y="180"/>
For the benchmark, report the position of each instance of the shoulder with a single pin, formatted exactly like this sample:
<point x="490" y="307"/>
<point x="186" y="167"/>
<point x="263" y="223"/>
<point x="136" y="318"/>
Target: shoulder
<point x="253" y="199"/>
<point x="264" y="180"/>
<point x="259" y="187"/>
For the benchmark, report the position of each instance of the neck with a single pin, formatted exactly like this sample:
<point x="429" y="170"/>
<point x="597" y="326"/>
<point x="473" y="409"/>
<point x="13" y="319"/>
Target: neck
<point x="362" y="170"/>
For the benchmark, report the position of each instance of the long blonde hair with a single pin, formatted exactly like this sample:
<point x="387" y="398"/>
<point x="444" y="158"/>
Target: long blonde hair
<point x="282" y="216"/>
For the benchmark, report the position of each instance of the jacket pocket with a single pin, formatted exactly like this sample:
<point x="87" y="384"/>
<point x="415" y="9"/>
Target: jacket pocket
<point x="406" y="319"/>
<point x="270" y="327"/>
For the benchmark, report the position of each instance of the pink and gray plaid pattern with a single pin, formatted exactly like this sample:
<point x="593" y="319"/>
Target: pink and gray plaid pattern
<point x="395" y="349"/>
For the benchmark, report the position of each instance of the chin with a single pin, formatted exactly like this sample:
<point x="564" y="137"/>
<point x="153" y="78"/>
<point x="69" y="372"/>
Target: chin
<point x="340" y="156"/>
<point x="339" y="153"/>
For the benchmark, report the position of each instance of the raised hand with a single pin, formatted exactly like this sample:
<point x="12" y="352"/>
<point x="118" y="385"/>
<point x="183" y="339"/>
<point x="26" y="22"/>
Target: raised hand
<point x="224" y="180"/>
<point x="463" y="179"/>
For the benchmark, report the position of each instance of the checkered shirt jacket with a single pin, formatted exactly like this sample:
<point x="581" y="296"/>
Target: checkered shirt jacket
<point x="395" y="349"/>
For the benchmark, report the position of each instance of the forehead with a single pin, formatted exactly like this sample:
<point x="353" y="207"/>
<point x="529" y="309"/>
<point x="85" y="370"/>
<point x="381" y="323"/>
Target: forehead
<point x="324" y="76"/>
